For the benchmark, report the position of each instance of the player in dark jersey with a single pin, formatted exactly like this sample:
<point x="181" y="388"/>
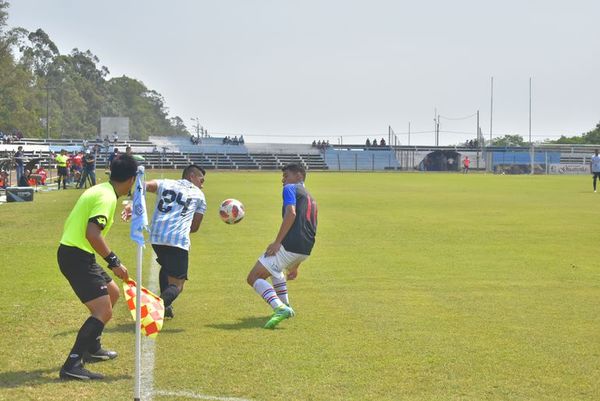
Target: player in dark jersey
<point x="83" y="235"/>
<point x="293" y="244"/>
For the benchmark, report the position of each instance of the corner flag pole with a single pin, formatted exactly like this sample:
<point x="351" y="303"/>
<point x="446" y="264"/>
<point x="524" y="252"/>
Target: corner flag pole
<point x="138" y="325"/>
<point x="139" y="223"/>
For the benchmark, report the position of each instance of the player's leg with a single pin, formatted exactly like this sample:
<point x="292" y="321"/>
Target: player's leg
<point x="101" y="311"/>
<point x="280" y="286"/>
<point x="174" y="262"/>
<point x="595" y="178"/>
<point x="257" y="279"/>
<point x="95" y="351"/>
<point x="272" y="266"/>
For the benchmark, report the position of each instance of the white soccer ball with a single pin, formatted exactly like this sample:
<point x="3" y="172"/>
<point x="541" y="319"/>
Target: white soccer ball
<point x="231" y="211"/>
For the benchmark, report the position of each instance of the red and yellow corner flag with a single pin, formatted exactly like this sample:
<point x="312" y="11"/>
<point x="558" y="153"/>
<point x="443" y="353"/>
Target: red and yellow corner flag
<point x="152" y="306"/>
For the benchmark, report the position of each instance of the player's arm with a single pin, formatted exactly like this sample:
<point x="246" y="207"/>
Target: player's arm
<point x="151" y="186"/>
<point x="287" y="223"/>
<point x="93" y="234"/>
<point x="196" y="221"/>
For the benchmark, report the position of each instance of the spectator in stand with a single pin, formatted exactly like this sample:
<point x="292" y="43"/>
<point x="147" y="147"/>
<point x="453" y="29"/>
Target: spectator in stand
<point x="314" y="143"/>
<point x="235" y="140"/>
<point x="374" y="142"/>
<point x="241" y="139"/>
<point x="115" y="137"/>
<point x="19" y="163"/>
<point x="368" y="143"/>
<point x="382" y="142"/>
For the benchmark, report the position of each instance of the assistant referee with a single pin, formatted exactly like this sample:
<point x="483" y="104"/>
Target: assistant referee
<point x="84" y="233"/>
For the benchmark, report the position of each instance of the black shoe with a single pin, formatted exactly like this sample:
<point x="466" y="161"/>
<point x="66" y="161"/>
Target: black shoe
<point x="78" y="372"/>
<point x="100" y="355"/>
<point x="169" y="312"/>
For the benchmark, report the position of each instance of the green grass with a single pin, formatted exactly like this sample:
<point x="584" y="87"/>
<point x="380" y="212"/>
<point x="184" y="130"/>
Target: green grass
<point x="420" y="287"/>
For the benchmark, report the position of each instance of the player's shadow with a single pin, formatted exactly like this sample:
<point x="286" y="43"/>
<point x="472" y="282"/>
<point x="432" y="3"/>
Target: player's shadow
<point x="244" y="323"/>
<point x="121" y="328"/>
<point x="42" y="376"/>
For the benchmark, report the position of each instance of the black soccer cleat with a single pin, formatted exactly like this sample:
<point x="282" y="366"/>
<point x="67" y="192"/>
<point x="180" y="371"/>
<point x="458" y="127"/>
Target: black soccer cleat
<point x="100" y="355"/>
<point x="169" y="312"/>
<point x="78" y="372"/>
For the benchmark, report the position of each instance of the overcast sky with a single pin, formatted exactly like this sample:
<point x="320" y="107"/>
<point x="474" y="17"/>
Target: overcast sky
<point x="297" y="70"/>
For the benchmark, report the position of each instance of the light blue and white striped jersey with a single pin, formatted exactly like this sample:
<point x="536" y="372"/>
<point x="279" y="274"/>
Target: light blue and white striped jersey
<point x="595" y="164"/>
<point x="176" y="203"/>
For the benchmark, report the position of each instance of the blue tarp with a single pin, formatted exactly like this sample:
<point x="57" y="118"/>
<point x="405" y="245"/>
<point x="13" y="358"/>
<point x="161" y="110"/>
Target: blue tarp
<point x="524" y="158"/>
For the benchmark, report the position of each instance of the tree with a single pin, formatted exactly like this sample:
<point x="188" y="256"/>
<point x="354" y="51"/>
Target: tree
<point x="591" y="137"/>
<point x="79" y="94"/>
<point x="509" y="140"/>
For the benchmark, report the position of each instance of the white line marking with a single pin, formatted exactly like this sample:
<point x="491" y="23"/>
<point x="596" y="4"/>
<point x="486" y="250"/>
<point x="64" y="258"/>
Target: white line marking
<point x="148" y="345"/>
<point x="147" y="379"/>
<point x="189" y="394"/>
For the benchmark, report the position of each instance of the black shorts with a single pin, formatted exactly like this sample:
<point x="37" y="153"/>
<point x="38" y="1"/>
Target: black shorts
<point x="87" y="278"/>
<point x="174" y="260"/>
<point x="63" y="171"/>
<point x="596" y="174"/>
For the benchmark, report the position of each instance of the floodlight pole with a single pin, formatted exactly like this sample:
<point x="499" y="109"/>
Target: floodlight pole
<point x="491" y="107"/>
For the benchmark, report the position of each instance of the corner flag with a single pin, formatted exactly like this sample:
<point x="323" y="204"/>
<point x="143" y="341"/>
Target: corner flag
<point x="139" y="218"/>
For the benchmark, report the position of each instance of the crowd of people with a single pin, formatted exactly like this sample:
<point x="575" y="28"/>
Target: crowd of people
<point x="374" y="144"/>
<point x="324" y="144"/>
<point x="233" y="141"/>
<point x="5" y="138"/>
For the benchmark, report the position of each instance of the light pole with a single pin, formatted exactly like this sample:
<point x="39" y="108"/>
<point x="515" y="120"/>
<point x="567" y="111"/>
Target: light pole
<point x="198" y="127"/>
<point x="48" y="110"/>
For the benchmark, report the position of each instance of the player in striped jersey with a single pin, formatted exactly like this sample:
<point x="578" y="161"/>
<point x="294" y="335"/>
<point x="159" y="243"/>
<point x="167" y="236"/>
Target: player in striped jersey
<point x="179" y="209"/>
<point x="293" y="244"/>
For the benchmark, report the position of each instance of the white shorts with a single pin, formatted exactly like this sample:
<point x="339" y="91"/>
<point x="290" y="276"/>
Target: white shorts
<point x="281" y="261"/>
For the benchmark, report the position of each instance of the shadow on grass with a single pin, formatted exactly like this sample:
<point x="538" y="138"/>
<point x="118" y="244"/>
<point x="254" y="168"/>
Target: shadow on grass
<point x="120" y="328"/>
<point x="245" y="323"/>
<point x="42" y="376"/>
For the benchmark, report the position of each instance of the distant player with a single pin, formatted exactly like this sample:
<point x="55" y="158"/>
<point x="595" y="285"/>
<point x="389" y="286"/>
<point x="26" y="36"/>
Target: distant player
<point x="466" y="164"/>
<point x="293" y="244"/>
<point x="179" y="209"/>
<point x="595" y="168"/>
<point x="84" y="232"/>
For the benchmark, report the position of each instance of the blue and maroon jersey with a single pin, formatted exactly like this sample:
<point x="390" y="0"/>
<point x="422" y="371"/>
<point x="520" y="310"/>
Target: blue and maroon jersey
<point x="301" y="237"/>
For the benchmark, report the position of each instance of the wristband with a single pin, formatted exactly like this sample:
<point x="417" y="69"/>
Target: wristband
<point x="112" y="260"/>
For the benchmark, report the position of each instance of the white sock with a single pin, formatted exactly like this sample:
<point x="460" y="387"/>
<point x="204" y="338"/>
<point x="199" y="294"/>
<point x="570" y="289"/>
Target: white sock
<point x="267" y="292"/>
<point x="280" y="286"/>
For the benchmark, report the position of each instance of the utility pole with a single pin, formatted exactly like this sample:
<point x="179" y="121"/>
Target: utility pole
<point x="436" y="119"/>
<point x="491" y="107"/>
<point x="530" y="110"/>
<point x="48" y="110"/>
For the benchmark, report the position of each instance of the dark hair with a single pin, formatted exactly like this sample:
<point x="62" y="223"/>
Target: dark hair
<point x="295" y="168"/>
<point x="122" y="168"/>
<point x="186" y="171"/>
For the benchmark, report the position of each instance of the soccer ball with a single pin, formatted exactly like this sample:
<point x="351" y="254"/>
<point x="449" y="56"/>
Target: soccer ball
<point x="231" y="211"/>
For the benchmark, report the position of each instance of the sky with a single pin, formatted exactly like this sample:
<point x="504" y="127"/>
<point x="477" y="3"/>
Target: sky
<point x="346" y="70"/>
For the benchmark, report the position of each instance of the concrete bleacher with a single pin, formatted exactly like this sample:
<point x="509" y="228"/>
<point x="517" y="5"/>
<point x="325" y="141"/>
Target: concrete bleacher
<point x="177" y="152"/>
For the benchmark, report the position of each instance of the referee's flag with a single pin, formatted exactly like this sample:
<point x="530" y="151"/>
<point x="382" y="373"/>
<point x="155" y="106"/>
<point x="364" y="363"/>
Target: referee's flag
<point x="139" y="219"/>
<point x="152" y="307"/>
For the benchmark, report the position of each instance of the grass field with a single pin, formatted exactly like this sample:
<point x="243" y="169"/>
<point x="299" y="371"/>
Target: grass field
<point x="421" y="287"/>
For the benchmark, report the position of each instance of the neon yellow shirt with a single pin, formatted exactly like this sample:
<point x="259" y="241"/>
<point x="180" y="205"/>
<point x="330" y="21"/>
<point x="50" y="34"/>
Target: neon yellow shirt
<point x="62" y="160"/>
<point x="99" y="200"/>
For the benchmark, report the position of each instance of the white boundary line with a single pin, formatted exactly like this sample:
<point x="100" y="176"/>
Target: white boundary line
<point x="148" y="346"/>
<point x="194" y="396"/>
<point x="147" y="379"/>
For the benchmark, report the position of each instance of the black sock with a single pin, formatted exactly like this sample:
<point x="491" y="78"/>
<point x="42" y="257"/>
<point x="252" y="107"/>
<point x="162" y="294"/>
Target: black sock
<point x="163" y="280"/>
<point x="89" y="331"/>
<point x="169" y="294"/>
